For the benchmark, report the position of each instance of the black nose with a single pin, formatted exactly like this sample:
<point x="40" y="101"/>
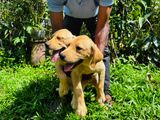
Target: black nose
<point x="62" y="56"/>
<point x="46" y="44"/>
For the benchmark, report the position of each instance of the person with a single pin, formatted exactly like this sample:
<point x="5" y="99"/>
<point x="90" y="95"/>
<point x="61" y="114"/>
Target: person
<point x="72" y="14"/>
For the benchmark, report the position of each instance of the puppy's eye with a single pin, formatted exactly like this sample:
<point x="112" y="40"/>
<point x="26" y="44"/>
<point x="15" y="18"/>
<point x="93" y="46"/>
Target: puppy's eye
<point x="68" y="45"/>
<point x="78" y="48"/>
<point x="58" y="38"/>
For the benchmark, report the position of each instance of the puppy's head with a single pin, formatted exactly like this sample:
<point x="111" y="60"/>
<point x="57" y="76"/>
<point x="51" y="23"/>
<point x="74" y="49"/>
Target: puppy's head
<point x="82" y="49"/>
<point x="60" y="40"/>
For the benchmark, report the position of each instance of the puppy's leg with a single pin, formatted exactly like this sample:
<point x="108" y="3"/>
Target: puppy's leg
<point x="74" y="102"/>
<point x="100" y="88"/>
<point x="63" y="85"/>
<point x="81" y="108"/>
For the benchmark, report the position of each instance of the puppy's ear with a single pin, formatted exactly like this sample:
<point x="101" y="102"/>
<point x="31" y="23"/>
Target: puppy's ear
<point x="69" y="40"/>
<point x="96" y="55"/>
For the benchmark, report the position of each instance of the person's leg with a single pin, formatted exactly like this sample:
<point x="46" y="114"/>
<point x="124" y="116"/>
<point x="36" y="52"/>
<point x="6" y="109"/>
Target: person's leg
<point x="107" y="65"/>
<point x="72" y="24"/>
<point x="91" y="26"/>
<point x="107" y="75"/>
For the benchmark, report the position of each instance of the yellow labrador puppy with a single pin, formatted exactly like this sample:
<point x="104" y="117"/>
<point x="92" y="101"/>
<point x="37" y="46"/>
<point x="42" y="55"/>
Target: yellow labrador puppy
<point x="60" y="40"/>
<point x="84" y="57"/>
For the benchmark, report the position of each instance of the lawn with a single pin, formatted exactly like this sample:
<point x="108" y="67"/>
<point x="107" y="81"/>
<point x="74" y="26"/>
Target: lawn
<point x="28" y="93"/>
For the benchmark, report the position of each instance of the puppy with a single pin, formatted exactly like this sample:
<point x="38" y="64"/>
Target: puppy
<point x="60" y="40"/>
<point x="84" y="57"/>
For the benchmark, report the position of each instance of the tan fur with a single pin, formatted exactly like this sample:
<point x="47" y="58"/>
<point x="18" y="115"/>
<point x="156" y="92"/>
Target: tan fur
<point x="83" y="48"/>
<point x="61" y="39"/>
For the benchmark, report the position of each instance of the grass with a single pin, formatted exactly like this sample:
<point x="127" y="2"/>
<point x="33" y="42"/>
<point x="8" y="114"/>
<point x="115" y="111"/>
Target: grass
<point x="28" y="93"/>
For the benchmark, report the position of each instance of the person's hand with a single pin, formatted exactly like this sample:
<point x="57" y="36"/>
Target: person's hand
<point x="101" y="37"/>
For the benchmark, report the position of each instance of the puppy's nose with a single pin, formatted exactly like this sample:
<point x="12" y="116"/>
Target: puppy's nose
<point x="46" y="44"/>
<point x="62" y="56"/>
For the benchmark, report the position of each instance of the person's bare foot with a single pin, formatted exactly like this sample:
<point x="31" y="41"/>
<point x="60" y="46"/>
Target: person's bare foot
<point x="109" y="99"/>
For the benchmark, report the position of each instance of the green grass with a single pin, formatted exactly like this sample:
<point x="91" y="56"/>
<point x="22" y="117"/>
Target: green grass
<point x="28" y="93"/>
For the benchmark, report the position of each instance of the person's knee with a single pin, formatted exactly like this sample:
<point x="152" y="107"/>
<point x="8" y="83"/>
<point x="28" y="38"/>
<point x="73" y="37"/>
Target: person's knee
<point x="106" y="51"/>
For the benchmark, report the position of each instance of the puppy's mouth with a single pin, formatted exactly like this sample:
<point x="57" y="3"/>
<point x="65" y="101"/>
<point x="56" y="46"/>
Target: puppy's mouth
<point x="69" y="66"/>
<point x="55" y="55"/>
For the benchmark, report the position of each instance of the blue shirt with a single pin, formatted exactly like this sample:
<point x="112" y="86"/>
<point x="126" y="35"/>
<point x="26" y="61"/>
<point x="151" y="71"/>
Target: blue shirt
<point x="78" y="8"/>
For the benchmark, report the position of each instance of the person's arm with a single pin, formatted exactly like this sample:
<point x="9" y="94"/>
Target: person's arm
<point x="56" y="20"/>
<point x="56" y="13"/>
<point x="102" y="29"/>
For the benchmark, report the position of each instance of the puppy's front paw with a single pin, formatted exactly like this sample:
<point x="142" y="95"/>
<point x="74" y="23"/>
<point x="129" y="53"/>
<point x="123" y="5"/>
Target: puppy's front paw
<point x="101" y="99"/>
<point x="82" y="111"/>
<point x="63" y="90"/>
<point x="73" y="103"/>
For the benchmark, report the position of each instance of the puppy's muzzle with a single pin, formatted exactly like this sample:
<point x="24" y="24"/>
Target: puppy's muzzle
<point x="47" y="42"/>
<point x="47" y="45"/>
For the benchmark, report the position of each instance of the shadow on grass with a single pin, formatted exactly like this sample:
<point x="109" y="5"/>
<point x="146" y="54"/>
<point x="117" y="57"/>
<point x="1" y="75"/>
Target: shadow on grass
<point x="38" y="100"/>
